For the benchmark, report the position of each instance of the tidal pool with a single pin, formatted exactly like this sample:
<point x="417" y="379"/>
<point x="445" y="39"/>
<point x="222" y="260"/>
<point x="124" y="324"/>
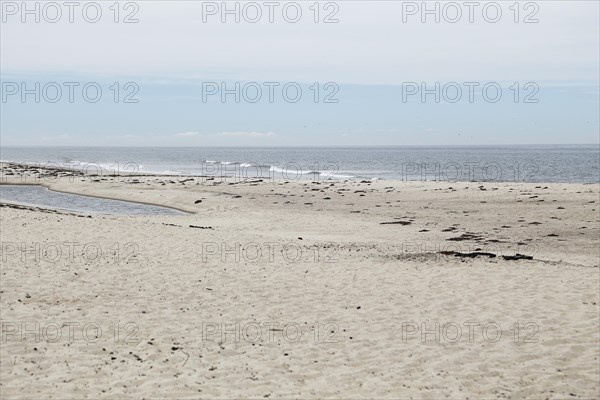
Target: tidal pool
<point x="40" y="196"/>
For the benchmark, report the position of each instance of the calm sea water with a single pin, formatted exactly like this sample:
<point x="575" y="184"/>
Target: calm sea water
<point x="535" y="163"/>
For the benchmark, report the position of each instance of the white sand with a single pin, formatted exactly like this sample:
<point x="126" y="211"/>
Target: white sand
<point x="371" y="285"/>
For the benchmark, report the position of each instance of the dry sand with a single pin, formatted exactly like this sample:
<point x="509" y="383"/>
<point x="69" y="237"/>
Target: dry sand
<point x="297" y="290"/>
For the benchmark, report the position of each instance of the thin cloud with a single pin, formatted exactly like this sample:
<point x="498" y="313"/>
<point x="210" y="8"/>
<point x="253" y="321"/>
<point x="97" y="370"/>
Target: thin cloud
<point x="187" y="134"/>
<point x="247" y="134"/>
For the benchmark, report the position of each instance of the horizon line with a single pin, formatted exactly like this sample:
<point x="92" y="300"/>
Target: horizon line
<point x="316" y="146"/>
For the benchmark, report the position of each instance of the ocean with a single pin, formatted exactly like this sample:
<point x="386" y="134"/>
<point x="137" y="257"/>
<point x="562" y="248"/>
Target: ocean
<point x="531" y="163"/>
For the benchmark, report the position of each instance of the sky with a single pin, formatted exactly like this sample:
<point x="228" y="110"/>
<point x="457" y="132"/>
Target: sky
<point x="305" y="73"/>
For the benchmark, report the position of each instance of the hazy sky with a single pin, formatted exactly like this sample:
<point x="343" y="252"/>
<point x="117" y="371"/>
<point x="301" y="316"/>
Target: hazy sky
<point x="361" y="78"/>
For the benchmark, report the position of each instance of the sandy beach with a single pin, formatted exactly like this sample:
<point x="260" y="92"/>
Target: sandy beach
<point x="300" y="289"/>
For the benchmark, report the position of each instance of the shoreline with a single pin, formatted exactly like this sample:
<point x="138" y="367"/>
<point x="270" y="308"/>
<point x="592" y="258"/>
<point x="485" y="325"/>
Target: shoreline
<point x="205" y="181"/>
<point x="74" y="172"/>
